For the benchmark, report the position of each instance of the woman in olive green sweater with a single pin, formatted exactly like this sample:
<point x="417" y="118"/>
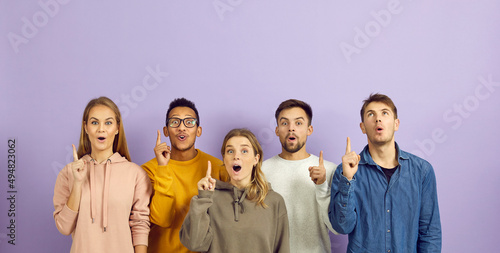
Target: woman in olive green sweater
<point x="243" y="215"/>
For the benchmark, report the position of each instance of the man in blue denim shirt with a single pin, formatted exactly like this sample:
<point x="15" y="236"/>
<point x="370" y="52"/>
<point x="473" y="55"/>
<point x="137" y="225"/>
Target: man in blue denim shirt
<point x="385" y="198"/>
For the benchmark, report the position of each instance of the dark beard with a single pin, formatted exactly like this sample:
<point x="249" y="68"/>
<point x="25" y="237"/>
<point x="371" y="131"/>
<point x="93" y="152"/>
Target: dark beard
<point x="293" y="150"/>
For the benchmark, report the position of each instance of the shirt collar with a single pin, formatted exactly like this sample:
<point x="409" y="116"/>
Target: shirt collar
<point x="366" y="158"/>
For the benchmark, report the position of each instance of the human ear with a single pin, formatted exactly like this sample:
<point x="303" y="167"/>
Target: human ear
<point x="165" y="131"/>
<point x="198" y="131"/>
<point x="362" y="126"/>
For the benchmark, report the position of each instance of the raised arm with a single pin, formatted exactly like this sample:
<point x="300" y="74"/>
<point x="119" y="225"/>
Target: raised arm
<point x="67" y="194"/>
<point x="322" y="177"/>
<point x="342" y="211"/>
<point x="162" y="179"/>
<point x="196" y="232"/>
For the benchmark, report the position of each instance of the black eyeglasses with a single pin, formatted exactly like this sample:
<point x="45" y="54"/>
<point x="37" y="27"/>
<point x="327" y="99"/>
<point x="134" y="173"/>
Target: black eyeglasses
<point x="176" y="122"/>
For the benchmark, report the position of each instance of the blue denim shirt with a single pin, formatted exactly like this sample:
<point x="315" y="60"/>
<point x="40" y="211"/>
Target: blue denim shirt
<point x="399" y="217"/>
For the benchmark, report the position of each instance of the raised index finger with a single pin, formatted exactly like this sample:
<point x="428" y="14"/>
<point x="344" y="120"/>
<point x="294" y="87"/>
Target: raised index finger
<point x="158" y="139"/>
<point x="75" y="155"/>
<point x="348" y="147"/>
<point x="209" y="170"/>
<point x="321" y="158"/>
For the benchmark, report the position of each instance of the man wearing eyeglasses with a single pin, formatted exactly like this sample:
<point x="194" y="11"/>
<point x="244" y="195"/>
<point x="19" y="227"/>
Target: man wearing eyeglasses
<point x="174" y="174"/>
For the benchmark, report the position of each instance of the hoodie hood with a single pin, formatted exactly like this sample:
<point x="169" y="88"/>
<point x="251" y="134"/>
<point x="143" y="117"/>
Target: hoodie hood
<point x="113" y="159"/>
<point x="239" y="195"/>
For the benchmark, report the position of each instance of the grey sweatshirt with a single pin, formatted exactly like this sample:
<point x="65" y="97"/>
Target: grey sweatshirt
<point x="225" y="221"/>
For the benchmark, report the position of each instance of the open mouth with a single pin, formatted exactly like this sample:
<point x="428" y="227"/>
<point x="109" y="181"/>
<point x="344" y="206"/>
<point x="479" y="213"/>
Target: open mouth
<point x="101" y="138"/>
<point x="291" y="138"/>
<point x="182" y="137"/>
<point x="236" y="168"/>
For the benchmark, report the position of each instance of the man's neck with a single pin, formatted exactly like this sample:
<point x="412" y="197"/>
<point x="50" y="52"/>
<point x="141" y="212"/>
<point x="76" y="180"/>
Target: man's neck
<point x="299" y="155"/>
<point x="186" y="155"/>
<point x="384" y="155"/>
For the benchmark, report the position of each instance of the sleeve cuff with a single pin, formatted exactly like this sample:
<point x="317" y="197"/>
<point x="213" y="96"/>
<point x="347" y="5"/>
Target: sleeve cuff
<point x="346" y="186"/>
<point x="322" y="188"/>
<point x="140" y="240"/>
<point x="162" y="171"/>
<point x="205" y="194"/>
<point x="68" y="214"/>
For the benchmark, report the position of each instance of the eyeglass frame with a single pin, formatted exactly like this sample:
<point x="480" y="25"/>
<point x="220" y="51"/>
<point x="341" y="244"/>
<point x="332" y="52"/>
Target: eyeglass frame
<point x="182" y="121"/>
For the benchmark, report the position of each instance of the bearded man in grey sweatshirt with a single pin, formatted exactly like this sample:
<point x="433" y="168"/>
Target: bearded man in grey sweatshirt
<point x="302" y="179"/>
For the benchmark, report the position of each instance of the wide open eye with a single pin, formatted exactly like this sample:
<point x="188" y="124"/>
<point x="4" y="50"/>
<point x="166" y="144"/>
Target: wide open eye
<point x="174" y="122"/>
<point x="190" y="122"/>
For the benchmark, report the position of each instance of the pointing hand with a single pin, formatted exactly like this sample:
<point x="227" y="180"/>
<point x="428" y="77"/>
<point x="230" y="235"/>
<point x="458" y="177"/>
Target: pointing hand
<point x="78" y="167"/>
<point x="318" y="173"/>
<point x="350" y="161"/>
<point x="162" y="151"/>
<point x="207" y="183"/>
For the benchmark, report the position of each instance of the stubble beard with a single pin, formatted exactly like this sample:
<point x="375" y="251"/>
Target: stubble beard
<point x="292" y="149"/>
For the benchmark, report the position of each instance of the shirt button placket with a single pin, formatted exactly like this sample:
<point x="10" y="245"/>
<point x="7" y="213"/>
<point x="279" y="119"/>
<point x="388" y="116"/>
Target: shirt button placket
<point x="388" y="237"/>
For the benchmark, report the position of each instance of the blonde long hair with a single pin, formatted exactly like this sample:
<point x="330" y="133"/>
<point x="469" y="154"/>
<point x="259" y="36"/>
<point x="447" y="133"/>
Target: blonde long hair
<point x="119" y="143"/>
<point x="259" y="187"/>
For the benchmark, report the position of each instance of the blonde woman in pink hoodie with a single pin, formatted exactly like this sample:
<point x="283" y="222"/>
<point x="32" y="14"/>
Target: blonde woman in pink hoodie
<point x="102" y="198"/>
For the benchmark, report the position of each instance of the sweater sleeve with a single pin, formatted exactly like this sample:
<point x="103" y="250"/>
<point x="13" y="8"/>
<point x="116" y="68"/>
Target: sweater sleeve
<point x="323" y="193"/>
<point x="163" y="199"/>
<point x="196" y="233"/>
<point x="282" y="243"/>
<point x="64" y="217"/>
<point x="342" y="213"/>
<point x="139" y="215"/>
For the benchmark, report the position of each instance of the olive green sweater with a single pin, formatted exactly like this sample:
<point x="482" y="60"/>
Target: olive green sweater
<point x="225" y="221"/>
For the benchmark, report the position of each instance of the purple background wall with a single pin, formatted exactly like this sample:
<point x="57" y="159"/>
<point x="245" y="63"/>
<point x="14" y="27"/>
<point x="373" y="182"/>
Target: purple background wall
<point x="237" y="59"/>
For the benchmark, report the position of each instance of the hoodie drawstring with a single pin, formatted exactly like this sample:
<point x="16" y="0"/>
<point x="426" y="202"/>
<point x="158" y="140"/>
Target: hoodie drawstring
<point x="238" y="202"/>
<point x="93" y="194"/>
<point x="107" y="177"/>
<point x="92" y="190"/>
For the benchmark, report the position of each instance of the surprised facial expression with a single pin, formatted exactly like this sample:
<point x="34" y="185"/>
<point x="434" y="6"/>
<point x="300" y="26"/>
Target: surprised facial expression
<point x="182" y="138"/>
<point x="293" y="129"/>
<point x="101" y="128"/>
<point x="379" y="123"/>
<point x="239" y="160"/>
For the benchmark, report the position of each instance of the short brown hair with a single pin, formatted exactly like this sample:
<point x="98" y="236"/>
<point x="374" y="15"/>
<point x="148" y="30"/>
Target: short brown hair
<point x="292" y="103"/>
<point x="377" y="97"/>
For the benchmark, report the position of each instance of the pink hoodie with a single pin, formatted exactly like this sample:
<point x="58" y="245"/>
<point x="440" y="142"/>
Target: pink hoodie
<point x="114" y="212"/>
